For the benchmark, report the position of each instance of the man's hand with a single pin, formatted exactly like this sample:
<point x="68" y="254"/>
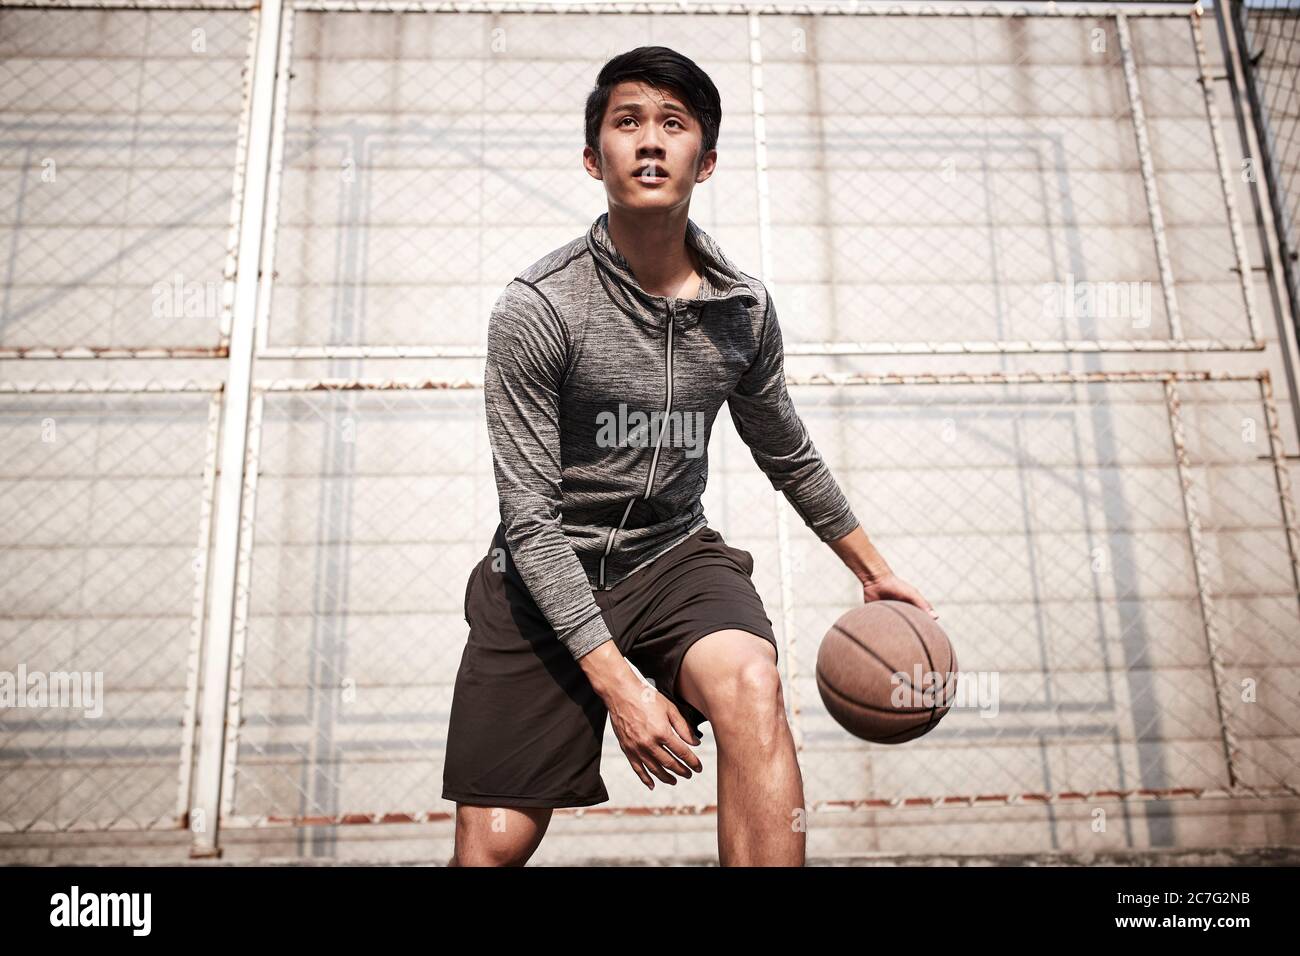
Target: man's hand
<point x="654" y="735"/>
<point x="879" y="582"/>
<point x="893" y="588"/>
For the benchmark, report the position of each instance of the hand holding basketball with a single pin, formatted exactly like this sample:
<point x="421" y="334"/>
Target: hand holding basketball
<point x="893" y="588"/>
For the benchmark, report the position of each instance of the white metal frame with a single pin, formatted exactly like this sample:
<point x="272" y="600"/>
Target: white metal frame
<point x="268" y="78"/>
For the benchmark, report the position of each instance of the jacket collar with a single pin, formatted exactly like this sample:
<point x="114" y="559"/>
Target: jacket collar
<point x="719" y="281"/>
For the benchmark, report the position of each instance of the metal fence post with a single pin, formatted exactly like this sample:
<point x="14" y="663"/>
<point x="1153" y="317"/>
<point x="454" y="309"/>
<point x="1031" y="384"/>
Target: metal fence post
<point x="204" y="808"/>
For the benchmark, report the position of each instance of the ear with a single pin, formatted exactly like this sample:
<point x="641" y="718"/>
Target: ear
<point x="707" y="164"/>
<point x="592" y="162"/>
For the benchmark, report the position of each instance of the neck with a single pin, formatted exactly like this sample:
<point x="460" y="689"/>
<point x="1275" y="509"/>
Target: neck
<point x="655" y="247"/>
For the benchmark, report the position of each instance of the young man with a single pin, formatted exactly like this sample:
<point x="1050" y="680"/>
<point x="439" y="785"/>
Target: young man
<point x="608" y="360"/>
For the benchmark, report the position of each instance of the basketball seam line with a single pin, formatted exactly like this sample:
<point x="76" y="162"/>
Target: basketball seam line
<point x="881" y="710"/>
<point x="928" y="659"/>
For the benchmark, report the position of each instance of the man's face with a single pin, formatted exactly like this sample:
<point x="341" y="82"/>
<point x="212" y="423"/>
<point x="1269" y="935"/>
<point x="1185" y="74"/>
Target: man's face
<point x="649" y="149"/>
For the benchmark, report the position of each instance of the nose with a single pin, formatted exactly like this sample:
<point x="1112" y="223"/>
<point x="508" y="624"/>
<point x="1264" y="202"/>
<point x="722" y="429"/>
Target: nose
<point x="649" y="145"/>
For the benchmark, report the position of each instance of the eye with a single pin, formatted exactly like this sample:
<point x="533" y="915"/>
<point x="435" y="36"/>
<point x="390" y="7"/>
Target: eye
<point x="678" y="122"/>
<point x="624" y="120"/>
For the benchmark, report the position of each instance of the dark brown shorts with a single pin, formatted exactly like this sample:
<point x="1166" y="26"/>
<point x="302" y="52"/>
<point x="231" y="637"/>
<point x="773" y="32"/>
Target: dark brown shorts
<point x="526" y="727"/>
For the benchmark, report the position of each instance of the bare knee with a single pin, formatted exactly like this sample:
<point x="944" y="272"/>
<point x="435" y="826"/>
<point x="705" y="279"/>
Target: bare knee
<point x="748" y="698"/>
<point x="731" y="676"/>
<point x="497" y="836"/>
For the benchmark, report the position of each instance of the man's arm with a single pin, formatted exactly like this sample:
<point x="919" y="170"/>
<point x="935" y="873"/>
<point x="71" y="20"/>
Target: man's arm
<point x="765" y="418"/>
<point x="527" y="355"/>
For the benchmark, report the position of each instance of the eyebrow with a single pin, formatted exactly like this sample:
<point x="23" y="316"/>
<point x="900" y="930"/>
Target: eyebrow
<point x="635" y="107"/>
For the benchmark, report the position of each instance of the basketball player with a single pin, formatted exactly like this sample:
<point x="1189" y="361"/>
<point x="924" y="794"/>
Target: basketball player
<point x="608" y="360"/>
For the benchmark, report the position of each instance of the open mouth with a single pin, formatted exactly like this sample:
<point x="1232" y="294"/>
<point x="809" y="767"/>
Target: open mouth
<point x="651" y="173"/>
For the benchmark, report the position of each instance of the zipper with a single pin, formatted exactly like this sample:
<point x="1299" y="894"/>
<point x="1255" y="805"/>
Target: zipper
<point x="654" y="459"/>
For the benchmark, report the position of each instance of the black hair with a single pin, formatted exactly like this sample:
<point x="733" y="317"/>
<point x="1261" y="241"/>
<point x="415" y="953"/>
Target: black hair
<point x="661" y="68"/>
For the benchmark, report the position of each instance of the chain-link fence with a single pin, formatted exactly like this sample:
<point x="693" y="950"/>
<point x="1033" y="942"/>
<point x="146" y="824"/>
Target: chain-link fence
<point x="106" y="494"/>
<point x="279" y="263"/>
<point x="1270" y="37"/>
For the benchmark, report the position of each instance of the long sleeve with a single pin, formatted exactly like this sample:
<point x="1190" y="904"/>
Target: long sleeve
<point x="766" y="419"/>
<point x="528" y="350"/>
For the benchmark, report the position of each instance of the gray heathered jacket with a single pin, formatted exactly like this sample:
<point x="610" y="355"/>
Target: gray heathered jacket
<point x="600" y="401"/>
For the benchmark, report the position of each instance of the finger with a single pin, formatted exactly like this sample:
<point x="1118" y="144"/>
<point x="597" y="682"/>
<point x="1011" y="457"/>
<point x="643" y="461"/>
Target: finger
<point x="639" y="770"/>
<point x="675" y="763"/>
<point x="915" y="597"/>
<point x="681" y="725"/>
<point x="679" y="749"/>
<point x="654" y="763"/>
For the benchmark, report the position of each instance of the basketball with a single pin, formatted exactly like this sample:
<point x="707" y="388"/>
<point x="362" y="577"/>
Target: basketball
<point x="887" y="672"/>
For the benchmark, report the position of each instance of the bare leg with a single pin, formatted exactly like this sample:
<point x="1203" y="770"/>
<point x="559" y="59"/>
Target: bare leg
<point x="731" y="677"/>
<point x="497" y="836"/>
